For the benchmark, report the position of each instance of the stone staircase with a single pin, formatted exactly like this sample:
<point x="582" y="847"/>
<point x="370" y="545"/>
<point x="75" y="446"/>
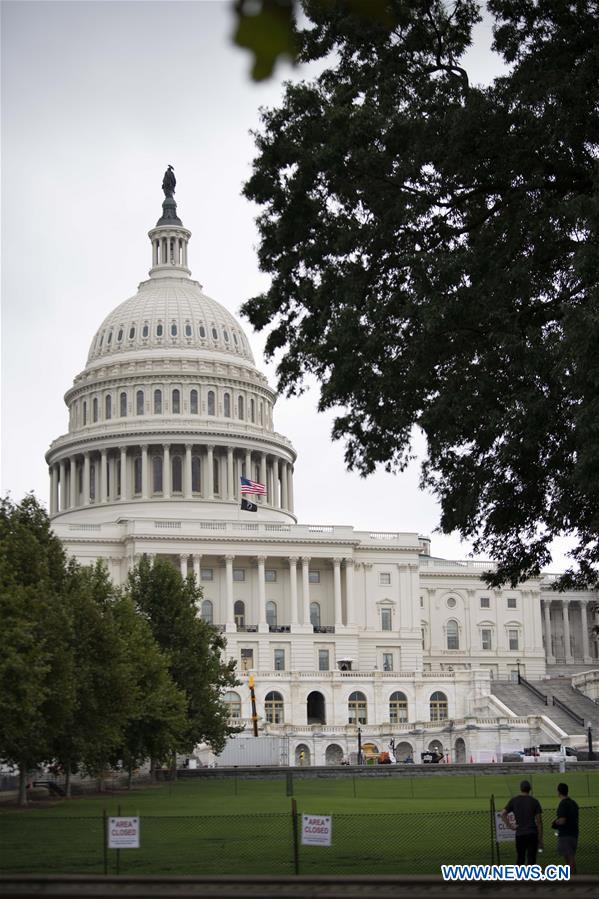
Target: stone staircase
<point x="522" y="702"/>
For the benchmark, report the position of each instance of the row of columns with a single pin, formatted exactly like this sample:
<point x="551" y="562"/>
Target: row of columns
<point x="566" y="629"/>
<point x="299" y="603"/>
<point x="275" y="473"/>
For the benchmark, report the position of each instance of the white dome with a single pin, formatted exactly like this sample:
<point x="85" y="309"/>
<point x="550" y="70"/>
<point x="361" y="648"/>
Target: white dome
<point x="169" y="314"/>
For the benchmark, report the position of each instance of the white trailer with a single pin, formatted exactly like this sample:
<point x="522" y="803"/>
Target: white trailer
<point x="244" y="751"/>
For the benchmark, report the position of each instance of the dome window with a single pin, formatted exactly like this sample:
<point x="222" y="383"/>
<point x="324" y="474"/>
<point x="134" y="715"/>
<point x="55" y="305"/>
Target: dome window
<point x="158" y="402"/>
<point x="252" y="411"/>
<point x="145" y="330"/>
<point x="139" y="402"/>
<point x="108" y="406"/>
<point x="240" y="407"/>
<point x="101" y="341"/>
<point x="174" y="329"/>
<point x="159" y="330"/>
<point x="95" y="409"/>
<point x="137" y="475"/>
<point x="214" y="334"/>
<point x="123" y="402"/>
<point x="211" y="403"/>
<point x="109" y="338"/>
<point x="227" y="405"/>
<point x="157" y="474"/>
<point x="235" y="341"/>
<point x="193" y="402"/>
<point x="188" y="330"/>
<point x="119" y="336"/>
<point x="202" y="331"/>
<point x="176" y="402"/>
<point x="226" y="336"/>
<point x="84" y="412"/>
<point x="177" y="474"/>
<point x="196" y="470"/>
<point x="132" y="332"/>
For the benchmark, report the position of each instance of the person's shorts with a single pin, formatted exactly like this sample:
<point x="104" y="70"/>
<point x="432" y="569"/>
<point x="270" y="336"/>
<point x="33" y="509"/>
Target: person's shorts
<point x="566" y="845"/>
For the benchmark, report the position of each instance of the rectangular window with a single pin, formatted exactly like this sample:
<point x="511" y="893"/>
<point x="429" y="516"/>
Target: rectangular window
<point x="279" y="659"/>
<point x="511" y="602"/>
<point x="247" y="659"/>
<point x="314" y="577"/>
<point x="270" y="575"/>
<point x="207" y="574"/>
<point x="385" y="619"/>
<point x="323" y="659"/>
<point x="387" y="661"/>
<point x="239" y="574"/>
<point x="513" y="639"/>
<point x="485" y="638"/>
<point x="485" y="602"/>
<point x="384" y="578"/>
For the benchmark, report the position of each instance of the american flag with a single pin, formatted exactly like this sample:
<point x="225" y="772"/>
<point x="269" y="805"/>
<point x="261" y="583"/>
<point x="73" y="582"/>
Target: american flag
<point x="254" y="487"/>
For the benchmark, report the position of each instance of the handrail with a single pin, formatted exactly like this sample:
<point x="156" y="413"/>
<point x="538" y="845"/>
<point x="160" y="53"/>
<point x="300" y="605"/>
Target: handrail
<point x="533" y="689"/>
<point x="562" y="705"/>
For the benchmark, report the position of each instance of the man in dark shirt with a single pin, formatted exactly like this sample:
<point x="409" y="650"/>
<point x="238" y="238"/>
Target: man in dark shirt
<point x="529" y="824"/>
<point x="566" y="824"/>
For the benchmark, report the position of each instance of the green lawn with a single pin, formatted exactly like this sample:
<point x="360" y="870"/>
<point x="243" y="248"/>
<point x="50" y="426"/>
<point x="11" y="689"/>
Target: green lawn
<point x="380" y="825"/>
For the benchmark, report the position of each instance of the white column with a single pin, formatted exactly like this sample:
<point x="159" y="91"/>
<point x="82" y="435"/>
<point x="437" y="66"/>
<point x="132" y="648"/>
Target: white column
<point x="337" y="593"/>
<point x="248" y="461"/>
<point x="144" y="471"/>
<point x="548" y="641"/>
<point x="230" y="621"/>
<point x="261" y="594"/>
<point x="349" y="592"/>
<point x="230" y="474"/>
<point x="584" y="624"/>
<point x="306" y="589"/>
<point x="62" y="495"/>
<point x="284" y="497"/>
<point x="53" y="489"/>
<point x="566" y="620"/>
<point x="187" y="476"/>
<point x="103" y="477"/>
<point x="197" y="561"/>
<point x="263" y="499"/>
<point x="124" y="475"/>
<point x="290" y="486"/>
<point x="166" y="471"/>
<point x="183" y="564"/>
<point x="210" y="472"/>
<point x="276" y="491"/>
<point x="73" y="483"/>
<point x="293" y="590"/>
<point x="86" y="479"/>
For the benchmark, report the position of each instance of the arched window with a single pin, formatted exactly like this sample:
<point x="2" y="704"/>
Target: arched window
<point x="315" y="614"/>
<point x="137" y="475"/>
<point x="158" y="402"/>
<point x="95" y="409"/>
<point x="271" y="614"/>
<point x="176" y="404"/>
<point x="157" y="474"/>
<point x="159" y="330"/>
<point x="211" y="403"/>
<point x="240" y="407"/>
<point x="109" y="338"/>
<point x="202" y="331"/>
<point x="173" y="329"/>
<point x="119" y="336"/>
<point x="438" y="706"/>
<point x="252" y="411"/>
<point x="108" y="406"/>
<point x="188" y="330"/>
<point x="239" y="613"/>
<point x="84" y="412"/>
<point x="177" y="474"/>
<point x="207" y="612"/>
<point x="193" y="402"/>
<point x="196" y="470"/>
<point x="123" y="402"/>
<point x="232" y="702"/>
<point x="227" y="405"/>
<point x="132" y="332"/>
<point x="274" y="708"/>
<point x="357" y="708"/>
<point x="216" y="474"/>
<point x="398" y="707"/>
<point x="139" y="402"/>
<point x="453" y="635"/>
<point x="145" y="330"/>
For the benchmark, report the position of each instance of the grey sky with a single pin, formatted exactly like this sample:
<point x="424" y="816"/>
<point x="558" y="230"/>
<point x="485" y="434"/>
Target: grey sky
<point x="97" y="98"/>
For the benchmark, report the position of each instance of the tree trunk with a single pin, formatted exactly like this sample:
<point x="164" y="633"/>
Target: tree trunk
<point x="152" y="770"/>
<point x="22" y="785"/>
<point x="67" y="781"/>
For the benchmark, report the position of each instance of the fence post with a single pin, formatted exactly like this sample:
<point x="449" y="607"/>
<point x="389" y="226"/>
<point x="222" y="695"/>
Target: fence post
<point x="290" y="783"/>
<point x="105" y="841"/>
<point x="118" y="852"/>
<point x="494" y="841"/>
<point x="294" y="828"/>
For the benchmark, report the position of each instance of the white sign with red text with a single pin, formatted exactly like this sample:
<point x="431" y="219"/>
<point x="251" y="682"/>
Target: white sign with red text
<point x="123" y="833"/>
<point x="316" y="830"/>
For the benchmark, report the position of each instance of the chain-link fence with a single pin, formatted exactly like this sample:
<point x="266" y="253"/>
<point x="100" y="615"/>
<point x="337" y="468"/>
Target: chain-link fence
<point x="373" y="843"/>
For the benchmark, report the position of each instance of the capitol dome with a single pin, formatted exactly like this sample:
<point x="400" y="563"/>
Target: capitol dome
<point x="170" y="407"/>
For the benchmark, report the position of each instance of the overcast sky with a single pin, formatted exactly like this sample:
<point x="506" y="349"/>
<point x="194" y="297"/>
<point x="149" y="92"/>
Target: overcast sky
<point x="97" y="98"/>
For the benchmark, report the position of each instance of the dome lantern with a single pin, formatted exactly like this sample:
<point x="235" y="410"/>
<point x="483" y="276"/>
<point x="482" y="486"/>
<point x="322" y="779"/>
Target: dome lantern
<point x="169" y="238"/>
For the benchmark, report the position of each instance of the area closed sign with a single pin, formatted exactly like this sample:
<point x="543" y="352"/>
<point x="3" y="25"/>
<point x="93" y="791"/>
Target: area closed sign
<point x="503" y="833"/>
<point x="316" y="830"/>
<point x="123" y="833"/>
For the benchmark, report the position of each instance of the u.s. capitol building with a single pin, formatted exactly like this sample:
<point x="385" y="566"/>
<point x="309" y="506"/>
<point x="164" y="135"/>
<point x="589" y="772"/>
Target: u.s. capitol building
<point x="342" y="629"/>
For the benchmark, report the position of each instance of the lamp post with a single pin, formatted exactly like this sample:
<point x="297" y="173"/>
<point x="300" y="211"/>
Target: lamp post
<point x="518" y="667"/>
<point x="590" y="739"/>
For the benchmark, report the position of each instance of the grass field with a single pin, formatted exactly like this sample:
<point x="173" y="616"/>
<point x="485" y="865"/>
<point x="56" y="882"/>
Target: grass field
<point x="233" y="825"/>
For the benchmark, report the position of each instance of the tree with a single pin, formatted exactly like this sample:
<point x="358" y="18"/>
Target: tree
<point x="433" y="250"/>
<point x="36" y="674"/>
<point x="193" y="649"/>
